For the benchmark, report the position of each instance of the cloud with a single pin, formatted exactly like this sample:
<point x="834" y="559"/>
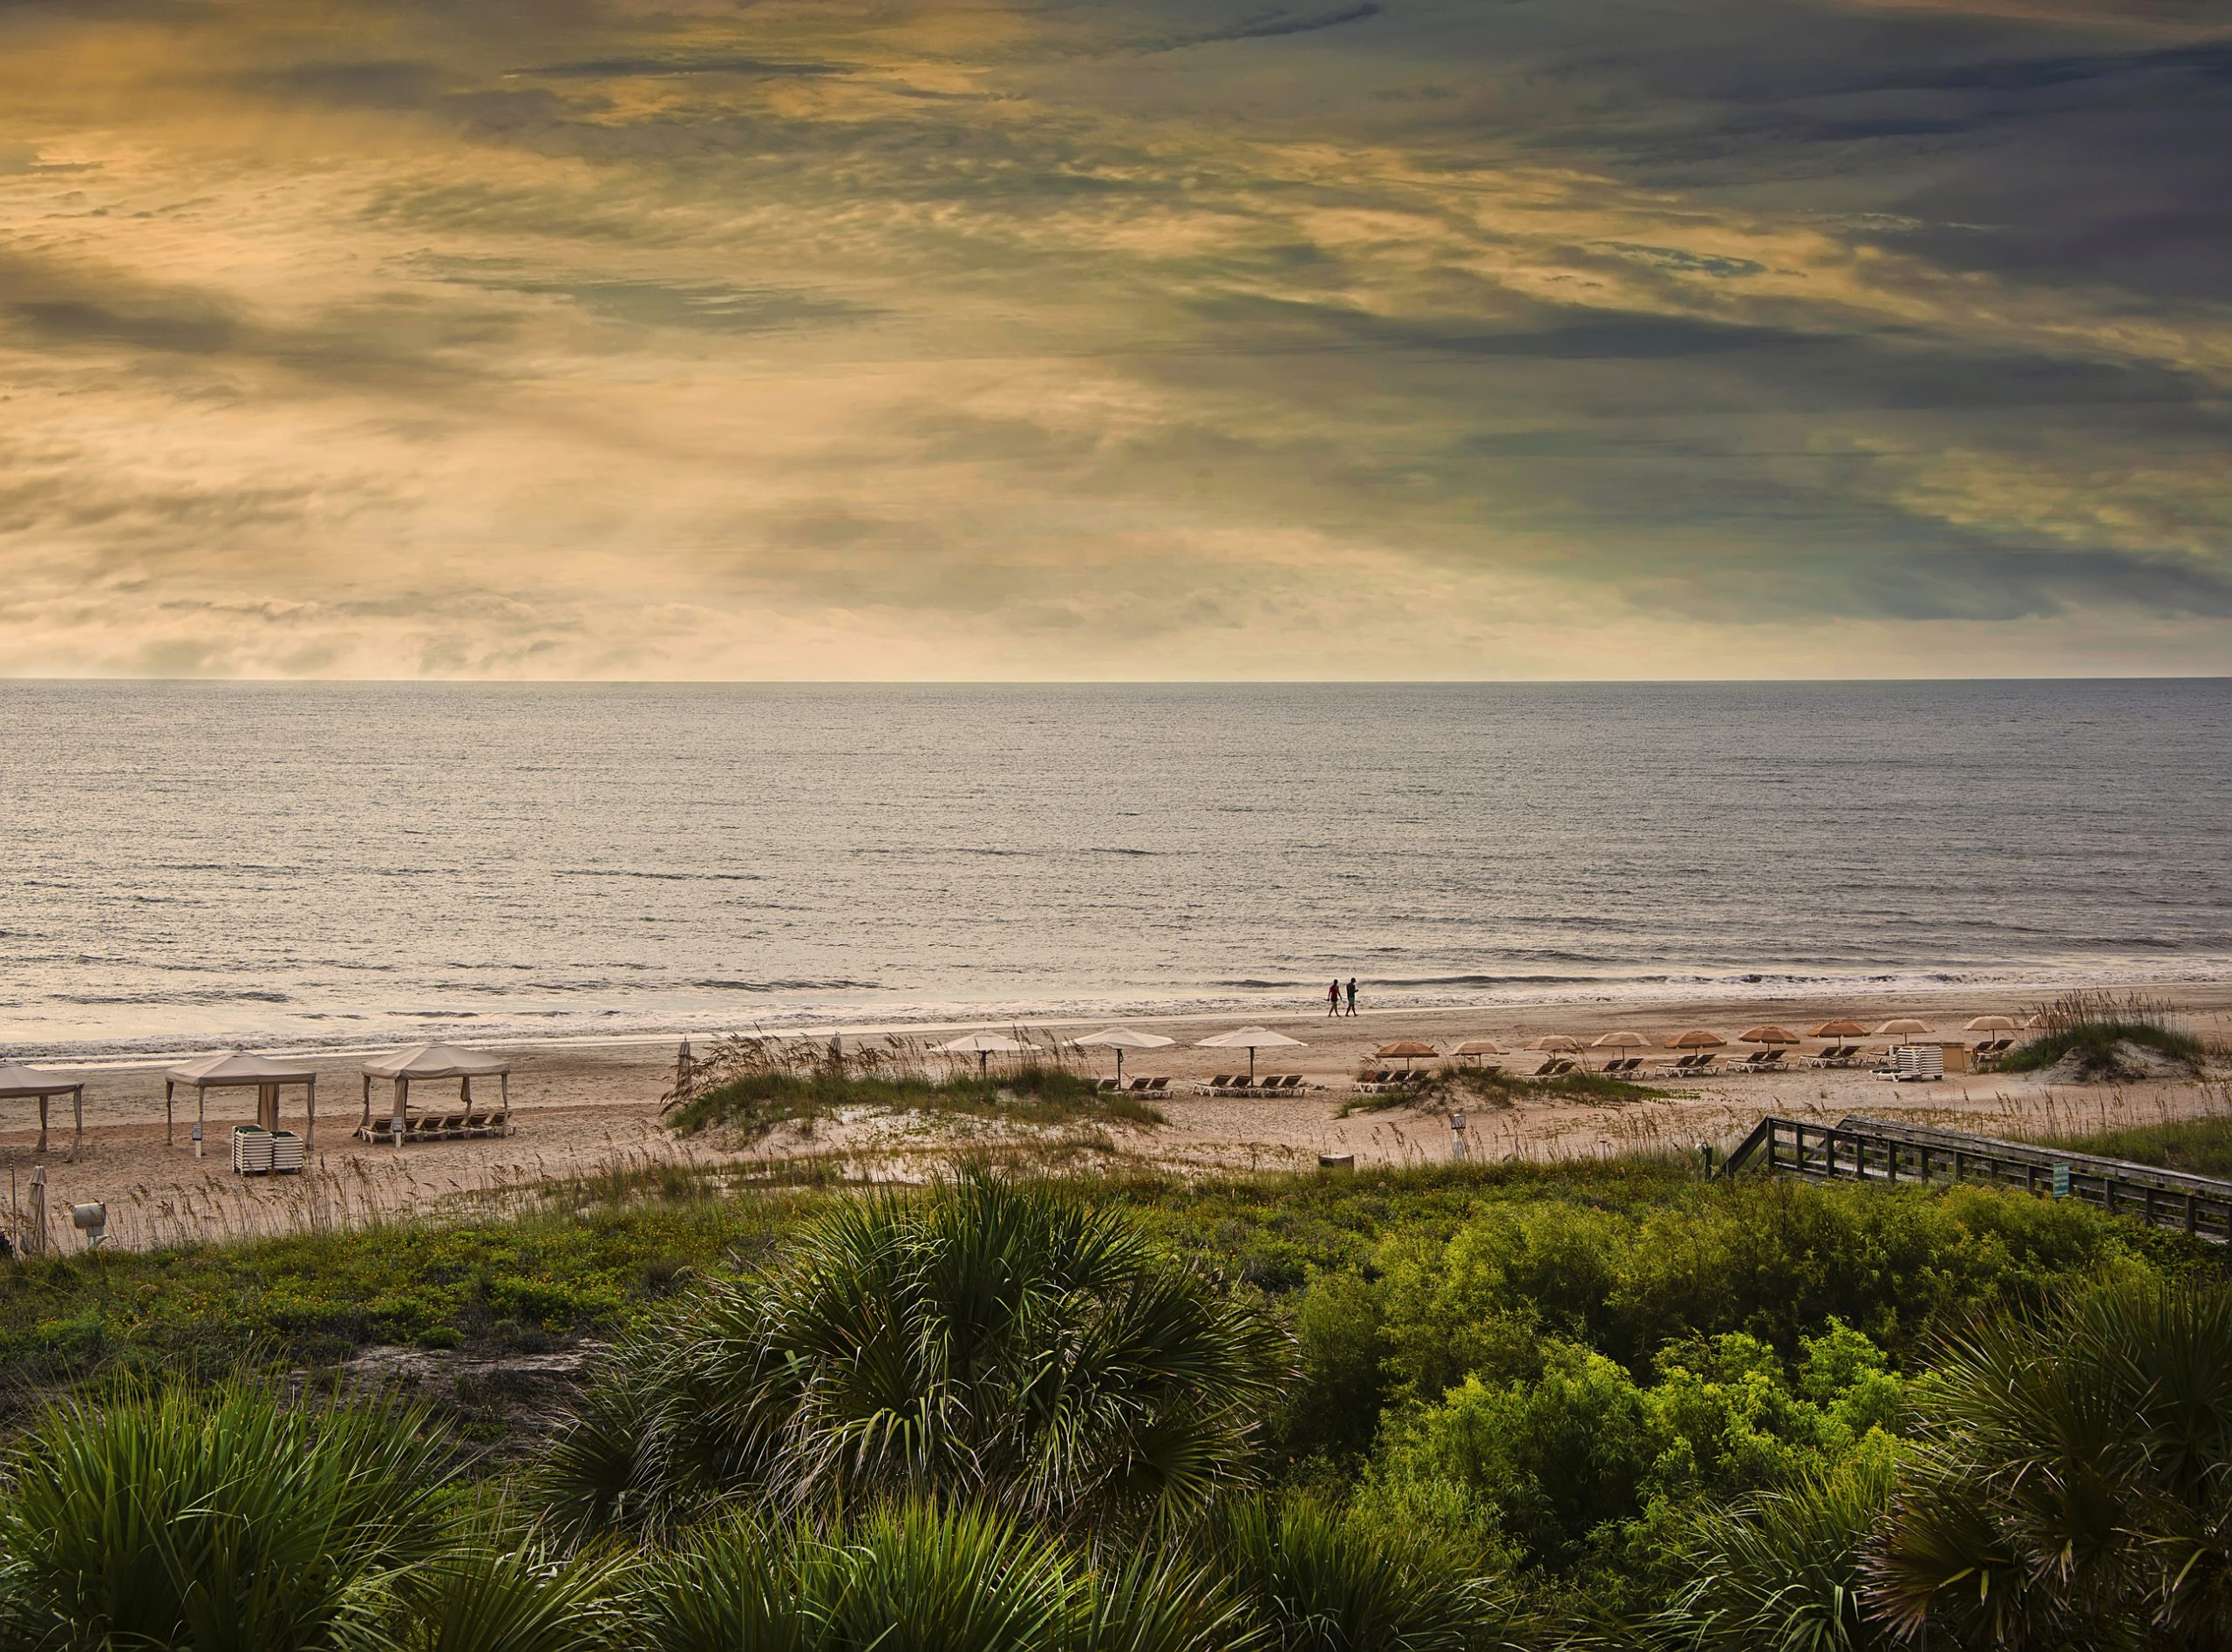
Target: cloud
<point x="833" y="340"/>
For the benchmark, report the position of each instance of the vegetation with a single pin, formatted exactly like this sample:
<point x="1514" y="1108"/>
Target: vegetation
<point x="1567" y="1406"/>
<point x="995" y="1343"/>
<point x="749" y="1086"/>
<point x="2075" y="1488"/>
<point x="2201" y="1147"/>
<point x="2093" y="1027"/>
<point x="1455" y="1087"/>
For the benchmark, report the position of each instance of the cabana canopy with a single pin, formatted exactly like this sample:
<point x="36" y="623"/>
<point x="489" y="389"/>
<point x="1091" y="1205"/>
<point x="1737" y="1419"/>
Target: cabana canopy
<point x="430" y="1063"/>
<point x="17" y="1083"/>
<point x="237" y="1069"/>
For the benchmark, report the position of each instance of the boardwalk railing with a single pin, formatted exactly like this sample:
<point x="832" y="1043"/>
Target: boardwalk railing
<point x="1863" y="1149"/>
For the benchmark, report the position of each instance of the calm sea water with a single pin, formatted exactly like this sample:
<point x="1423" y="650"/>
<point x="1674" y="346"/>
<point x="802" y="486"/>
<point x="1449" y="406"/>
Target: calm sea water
<point x="190" y="864"/>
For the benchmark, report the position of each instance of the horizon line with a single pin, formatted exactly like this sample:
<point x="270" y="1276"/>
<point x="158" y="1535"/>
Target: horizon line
<point x="7" y="680"/>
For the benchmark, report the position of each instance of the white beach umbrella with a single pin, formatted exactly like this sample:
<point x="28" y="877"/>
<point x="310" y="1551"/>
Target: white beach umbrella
<point x="1901" y="1027"/>
<point x="1620" y="1040"/>
<point x="1251" y="1039"/>
<point x="1119" y="1039"/>
<point x="983" y="1046"/>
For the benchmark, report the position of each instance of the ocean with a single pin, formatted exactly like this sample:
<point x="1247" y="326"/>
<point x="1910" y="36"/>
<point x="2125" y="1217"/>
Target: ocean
<point x="192" y="865"/>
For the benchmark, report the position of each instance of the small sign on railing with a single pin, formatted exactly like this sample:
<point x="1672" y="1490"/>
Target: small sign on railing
<point x="2061" y="1181"/>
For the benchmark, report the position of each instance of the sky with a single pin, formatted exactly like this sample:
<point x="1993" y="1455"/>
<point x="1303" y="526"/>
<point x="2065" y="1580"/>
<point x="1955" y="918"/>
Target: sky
<point x="1130" y="339"/>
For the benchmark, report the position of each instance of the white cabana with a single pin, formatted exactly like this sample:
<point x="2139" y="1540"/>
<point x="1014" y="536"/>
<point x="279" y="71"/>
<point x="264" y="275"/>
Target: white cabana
<point x="1251" y="1039"/>
<point x="19" y="1082"/>
<point x="435" y="1063"/>
<point x="237" y="1070"/>
<point x="983" y="1046"/>
<point x="1119" y="1039"/>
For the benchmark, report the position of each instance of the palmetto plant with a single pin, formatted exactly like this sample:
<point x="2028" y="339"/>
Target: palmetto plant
<point x="481" y="1597"/>
<point x="1781" y="1571"/>
<point x="990" y="1344"/>
<point x="912" y="1577"/>
<point x="224" y="1522"/>
<point x="1312" y="1582"/>
<point x="2077" y="1488"/>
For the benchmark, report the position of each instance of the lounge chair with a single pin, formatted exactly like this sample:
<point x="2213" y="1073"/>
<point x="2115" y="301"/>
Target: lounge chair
<point x="1157" y="1086"/>
<point x="1551" y="1068"/>
<point x="1292" y="1081"/>
<point x="1140" y="1086"/>
<point x="1106" y="1086"/>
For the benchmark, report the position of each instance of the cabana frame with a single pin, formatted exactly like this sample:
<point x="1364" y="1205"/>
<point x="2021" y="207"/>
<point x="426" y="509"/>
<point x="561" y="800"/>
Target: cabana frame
<point x="433" y="1063"/>
<point x="18" y="1083"/>
<point x="232" y="1070"/>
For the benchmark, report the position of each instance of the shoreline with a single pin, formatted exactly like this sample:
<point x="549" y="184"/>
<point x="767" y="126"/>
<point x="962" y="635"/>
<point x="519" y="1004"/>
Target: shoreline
<point x="592" y="1110"/>
<point x="2180" y="996"/>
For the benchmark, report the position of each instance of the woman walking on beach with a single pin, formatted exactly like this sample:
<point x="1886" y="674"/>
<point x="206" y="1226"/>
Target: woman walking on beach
<point x="1333" y="998"/>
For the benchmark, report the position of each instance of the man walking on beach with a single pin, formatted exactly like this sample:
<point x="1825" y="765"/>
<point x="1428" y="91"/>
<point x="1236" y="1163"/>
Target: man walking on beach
<point x="1352" y="995"/>
<point x="1333" y="998"/>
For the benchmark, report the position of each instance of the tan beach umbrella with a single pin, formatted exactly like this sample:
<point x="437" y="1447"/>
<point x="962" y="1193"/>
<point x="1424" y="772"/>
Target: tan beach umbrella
<point x="983" y="1046"/>
<point x="1766" y="1036"/>
<point x="1119" y="1039"/>
<point x="1696" y="1039"/>
<point x="1991" y="1023"/>
<point x="1251" y="1039"/>
<point x="1841" y="1030"/>
<point x="1479" y="1047"/>
<point x="1554" y="1044"/>
<point x="1406" y="1050"/>
<point x="1623" y="1039"/>
<point x="1900" y="1027"/>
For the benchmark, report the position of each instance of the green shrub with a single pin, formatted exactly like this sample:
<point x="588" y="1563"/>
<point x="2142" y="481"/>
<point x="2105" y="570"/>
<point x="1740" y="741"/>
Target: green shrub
<point x="1560" y="1463"/>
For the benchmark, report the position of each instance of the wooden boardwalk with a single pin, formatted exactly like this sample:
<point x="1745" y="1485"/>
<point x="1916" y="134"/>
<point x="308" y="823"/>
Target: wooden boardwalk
<point x="1863" y="1149"/>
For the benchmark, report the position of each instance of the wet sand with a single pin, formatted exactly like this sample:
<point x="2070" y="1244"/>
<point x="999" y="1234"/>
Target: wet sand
<point x="578" y="1110"/>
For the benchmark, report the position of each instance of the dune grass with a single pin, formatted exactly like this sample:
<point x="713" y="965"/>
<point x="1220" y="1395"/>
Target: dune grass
<point x="748" y="1087"/>
<point x="2091" y="1025"/>
<point x="1452" y="1085"/>
<point x="2199" y="1146"/>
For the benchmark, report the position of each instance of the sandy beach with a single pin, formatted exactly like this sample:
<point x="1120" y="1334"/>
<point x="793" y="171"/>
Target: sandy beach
<point x="582" y="1109"/>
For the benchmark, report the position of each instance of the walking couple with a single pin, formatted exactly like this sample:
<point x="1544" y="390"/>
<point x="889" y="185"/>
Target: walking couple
<point x="1333" y="996"/>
